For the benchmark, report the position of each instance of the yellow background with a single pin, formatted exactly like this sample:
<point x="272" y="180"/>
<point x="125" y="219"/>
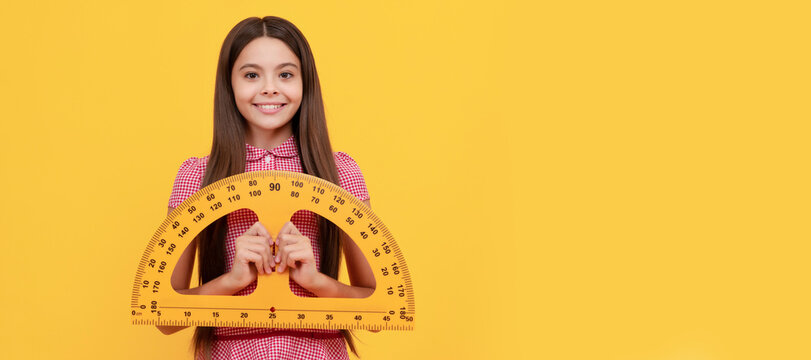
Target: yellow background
<point x="567" y="180"/>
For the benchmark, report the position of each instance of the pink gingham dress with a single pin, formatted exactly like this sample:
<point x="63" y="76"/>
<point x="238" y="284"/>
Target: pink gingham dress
<point x="262" y="343"/>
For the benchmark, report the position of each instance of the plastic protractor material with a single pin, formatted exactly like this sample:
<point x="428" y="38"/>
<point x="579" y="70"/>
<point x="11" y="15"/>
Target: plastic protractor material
<point x="274" y="196"/>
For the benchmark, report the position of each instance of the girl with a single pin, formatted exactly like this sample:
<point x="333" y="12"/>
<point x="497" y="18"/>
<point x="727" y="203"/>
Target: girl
<point x="269" y="115"/>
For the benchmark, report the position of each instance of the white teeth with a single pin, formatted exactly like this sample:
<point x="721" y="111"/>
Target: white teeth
<point x="269" y="106"/>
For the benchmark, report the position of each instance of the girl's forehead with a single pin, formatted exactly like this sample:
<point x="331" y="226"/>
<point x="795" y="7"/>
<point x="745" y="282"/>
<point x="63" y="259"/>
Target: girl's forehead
<point x="266" y="53"/>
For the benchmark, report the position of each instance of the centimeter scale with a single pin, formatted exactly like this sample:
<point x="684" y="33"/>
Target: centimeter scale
<point x="274" y="196"/>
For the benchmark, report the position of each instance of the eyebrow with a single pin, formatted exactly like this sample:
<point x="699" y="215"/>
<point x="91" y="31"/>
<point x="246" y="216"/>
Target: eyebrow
<point x="277" y="67"/>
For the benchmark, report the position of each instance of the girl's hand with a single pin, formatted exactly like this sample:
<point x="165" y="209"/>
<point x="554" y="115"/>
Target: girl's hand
<point x="296" y="253"/>
<point x="251" y="247"/>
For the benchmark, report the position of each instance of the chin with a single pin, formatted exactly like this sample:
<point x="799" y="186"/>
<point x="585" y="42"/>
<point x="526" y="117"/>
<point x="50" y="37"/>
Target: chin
<point x="268" y="125"/>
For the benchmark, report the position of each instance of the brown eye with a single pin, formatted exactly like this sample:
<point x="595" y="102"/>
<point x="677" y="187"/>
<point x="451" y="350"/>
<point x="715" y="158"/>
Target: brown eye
<point x="286" y="73"/>
<point x="250" y="73"/>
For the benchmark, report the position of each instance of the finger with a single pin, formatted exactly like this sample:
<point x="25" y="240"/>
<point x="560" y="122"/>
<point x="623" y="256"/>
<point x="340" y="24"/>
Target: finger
<point x="280" y="254"/>
<point x="298" y="255"/>
<point x="250" y="257"/>
<point x="283" y="230"/>
<point x="282" y="241"/>
<point x="259" y="231"/>
<point x="268" y="248"/>
<point x="262" y="250"/>
<point x="293" y="229"/>
<point x="289" y="243"/>
<point x="289" y="228"/>
<point x="281" y="259"/>
<point x="290" y="249"/>
<point x="286" y="239"/>
<point x="254" y="239"/>
<point x="284" y="255"/>
<point x="262" y="230"/>
<point x="247" y="257"/>
<point x="267" y="257"/>
<point x="255" y="229"/>
<point x="257" y="259"/>
<point x="262" y="246"/>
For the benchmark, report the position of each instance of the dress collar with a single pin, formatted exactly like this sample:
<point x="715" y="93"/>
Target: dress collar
<point x="285" y="149"/>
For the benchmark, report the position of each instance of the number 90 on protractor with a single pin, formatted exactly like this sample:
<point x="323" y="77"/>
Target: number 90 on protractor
<point x="274" y="196"/>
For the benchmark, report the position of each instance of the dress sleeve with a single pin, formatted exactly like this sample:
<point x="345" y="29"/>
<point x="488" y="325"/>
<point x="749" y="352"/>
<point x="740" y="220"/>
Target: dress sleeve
<point x="187" y="181"/>
<point x="350" y="176"/>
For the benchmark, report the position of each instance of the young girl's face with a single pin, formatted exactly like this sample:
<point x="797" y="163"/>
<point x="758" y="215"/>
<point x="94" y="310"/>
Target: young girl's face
<point x="266" y="79"/>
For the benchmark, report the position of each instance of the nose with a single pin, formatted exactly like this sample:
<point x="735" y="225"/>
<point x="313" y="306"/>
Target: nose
<point x="270" y="88"/>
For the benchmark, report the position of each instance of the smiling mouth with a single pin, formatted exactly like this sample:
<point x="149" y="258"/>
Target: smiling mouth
<point x="269" y="109"/>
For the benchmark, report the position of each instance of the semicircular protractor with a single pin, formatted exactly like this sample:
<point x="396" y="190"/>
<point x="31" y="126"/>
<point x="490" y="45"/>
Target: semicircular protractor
<point x="274" y="196"/>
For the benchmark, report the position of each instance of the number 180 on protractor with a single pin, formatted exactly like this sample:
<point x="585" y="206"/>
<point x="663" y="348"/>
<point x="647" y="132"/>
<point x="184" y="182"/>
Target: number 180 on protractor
<point x="274" y="196"/>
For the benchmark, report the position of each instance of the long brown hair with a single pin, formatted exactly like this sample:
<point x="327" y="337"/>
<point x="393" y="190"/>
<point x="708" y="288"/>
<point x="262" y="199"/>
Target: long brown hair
<point x="227" y="155"/>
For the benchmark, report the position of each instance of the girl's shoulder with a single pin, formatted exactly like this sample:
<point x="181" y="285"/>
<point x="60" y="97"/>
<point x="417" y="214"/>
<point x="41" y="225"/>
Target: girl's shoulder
<point x="350" y="175"/>
<point x="192" y="167"/>
<point x="188" y="179"/>
<point x="343" y="160"/>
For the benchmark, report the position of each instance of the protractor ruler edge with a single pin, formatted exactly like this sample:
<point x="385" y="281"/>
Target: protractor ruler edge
<point x="274" y="196"/>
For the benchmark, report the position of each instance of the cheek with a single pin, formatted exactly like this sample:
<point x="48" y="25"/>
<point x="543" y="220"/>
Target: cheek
<point x="295" y="92"/>
<point x="241" y="94"/>
<point x="242" y="91"/>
